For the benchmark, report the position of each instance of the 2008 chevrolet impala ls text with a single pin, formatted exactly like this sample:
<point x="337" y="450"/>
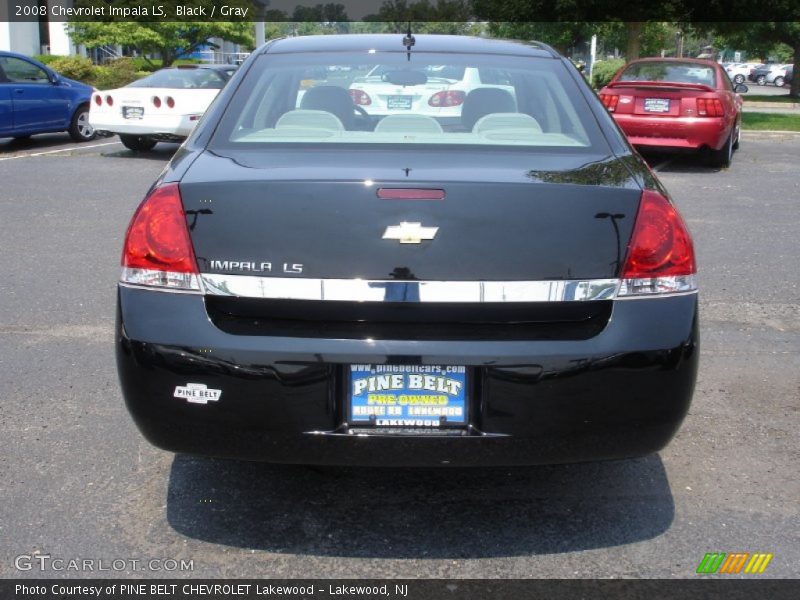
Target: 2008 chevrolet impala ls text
<point x="506" y="283"/>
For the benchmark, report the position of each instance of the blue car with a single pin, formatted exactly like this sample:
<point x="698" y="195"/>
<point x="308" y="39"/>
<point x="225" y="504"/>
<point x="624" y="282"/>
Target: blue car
<point x="35" y="99"/>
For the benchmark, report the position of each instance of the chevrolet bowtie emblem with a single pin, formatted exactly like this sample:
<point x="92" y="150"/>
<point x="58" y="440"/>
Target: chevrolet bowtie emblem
<point x="409" y="233"/>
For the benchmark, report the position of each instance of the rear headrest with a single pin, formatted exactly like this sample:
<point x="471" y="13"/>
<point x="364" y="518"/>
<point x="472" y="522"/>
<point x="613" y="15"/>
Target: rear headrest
<point x="332" y="99"/>
<point x="506" y="122"/>
<point x="483" y="101"/>
<point x="309" y="119"/>
<point x="419" y="124"/>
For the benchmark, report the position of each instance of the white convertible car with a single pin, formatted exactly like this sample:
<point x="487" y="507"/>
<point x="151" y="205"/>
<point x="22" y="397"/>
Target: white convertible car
<point x="162" y="107"/>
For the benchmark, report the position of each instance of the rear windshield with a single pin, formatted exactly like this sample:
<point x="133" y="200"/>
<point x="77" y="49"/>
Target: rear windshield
<point x="203" y="79"/>
<point x="395" y="98"/>
<point x="671" y="72"/>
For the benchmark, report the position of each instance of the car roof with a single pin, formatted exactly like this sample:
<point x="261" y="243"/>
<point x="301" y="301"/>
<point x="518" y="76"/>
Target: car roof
<point x="393" y="42"/>
<point x="17" y="55"/>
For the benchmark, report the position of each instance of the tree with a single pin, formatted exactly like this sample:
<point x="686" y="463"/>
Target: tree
<point x="560" y="35"/>
<point x="638" y="38"/>
<point x="443" y="16"/>
<point x="321" y="13"/>
<point x="321" y="19"/>
<point x="172" y="35"/>
<point x="645" y="33"/>
<point x="651" y="38"/>
<point x="169" y="39"/>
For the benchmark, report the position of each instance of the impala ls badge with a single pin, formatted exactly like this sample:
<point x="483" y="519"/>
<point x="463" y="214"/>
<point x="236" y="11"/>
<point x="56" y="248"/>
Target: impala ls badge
<point x="409" y="233"/>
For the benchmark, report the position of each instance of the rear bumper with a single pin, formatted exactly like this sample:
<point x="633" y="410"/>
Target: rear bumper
<point x="674" y="132"/>
<point x="152" y="125"/>
<point x="622" y="393"/>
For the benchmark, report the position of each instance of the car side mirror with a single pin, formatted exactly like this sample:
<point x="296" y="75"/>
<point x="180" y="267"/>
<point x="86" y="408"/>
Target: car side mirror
<point x="55" y="79"/>
<point x="741" y="88"/>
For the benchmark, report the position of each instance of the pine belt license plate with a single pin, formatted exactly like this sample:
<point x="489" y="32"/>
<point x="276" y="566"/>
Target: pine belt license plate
<point x="413" y="396"/>
<point x="132" y="112"/>
<point x="656" y="105"/>
<point x="398" y="103"/>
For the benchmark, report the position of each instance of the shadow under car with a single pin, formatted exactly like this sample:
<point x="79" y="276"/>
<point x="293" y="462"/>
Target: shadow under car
<point x="419" y="513"/>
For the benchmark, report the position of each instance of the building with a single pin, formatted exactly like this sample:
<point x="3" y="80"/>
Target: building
<point x="47" y="36"/>
<point x="35" y="37"/>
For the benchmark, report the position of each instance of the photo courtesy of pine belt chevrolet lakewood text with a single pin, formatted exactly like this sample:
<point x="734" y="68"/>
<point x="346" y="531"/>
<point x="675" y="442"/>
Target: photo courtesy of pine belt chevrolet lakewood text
<point x="407" y="251"/>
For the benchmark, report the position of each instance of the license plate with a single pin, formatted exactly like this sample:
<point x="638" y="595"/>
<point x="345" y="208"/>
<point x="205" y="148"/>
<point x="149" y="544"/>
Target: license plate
<point x="656" y="105"/>
<point x="408" y="395"/>
<point x="398" y="103"/>
<point x="132" y="112"/>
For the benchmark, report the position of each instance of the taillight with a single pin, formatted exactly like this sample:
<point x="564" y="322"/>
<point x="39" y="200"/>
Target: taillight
<point x="710" y="107"/>
<point x="170" y="102"/>
<point x="360" y="97"/>
<point x="98" y="99"/>
<point x="447" y="98"/>
<point x="109" y="101"/>
<point x="156" y="101"/>
<point x="157" y="250"/>
<point x="660" y="256"/>
<point x="610" y="101"/>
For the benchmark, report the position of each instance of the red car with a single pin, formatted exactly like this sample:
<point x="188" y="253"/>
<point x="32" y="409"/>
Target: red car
<point x="676" y="103"/>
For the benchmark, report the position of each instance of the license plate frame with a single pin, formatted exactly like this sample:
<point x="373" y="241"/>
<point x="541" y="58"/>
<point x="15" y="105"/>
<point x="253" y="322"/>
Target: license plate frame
<point x="430" y="397"/>
<point x="657" y="105"/>
<point x="133" y="112"/>
<point x="399" y="102"/>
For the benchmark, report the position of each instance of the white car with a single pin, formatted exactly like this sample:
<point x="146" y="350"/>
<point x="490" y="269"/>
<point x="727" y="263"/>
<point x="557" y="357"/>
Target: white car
<point x="738" y="72"/>
<point x="164" y="106"/>
<point x="777" y="75"/>
<point x="785" y="76"/>
<point x="440" y="93"/>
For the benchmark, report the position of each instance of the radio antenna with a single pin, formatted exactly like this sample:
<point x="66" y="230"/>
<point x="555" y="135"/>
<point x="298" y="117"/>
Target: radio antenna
<point x="409" y="41"/>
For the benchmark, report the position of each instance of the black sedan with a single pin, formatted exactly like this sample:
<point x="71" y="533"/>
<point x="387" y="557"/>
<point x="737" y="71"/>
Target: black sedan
<point x="481" y="272"/>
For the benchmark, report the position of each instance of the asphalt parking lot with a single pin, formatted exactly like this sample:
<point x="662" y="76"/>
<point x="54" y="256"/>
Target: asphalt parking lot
<point x="78" y="481"/>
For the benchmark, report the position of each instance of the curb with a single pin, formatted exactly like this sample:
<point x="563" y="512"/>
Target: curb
<point x="769" y="131"/>
<point x="778" y="105"/>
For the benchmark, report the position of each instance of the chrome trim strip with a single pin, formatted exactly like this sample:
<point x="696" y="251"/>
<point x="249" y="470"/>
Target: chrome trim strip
<point x="351" y="430"/>
<point x="363" y="290"/>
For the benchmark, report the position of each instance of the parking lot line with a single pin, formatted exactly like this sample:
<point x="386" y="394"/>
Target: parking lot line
<point x="59" y="150"/>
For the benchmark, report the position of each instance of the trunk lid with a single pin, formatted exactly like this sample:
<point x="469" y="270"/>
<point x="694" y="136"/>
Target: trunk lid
<point x="505" y="216"/>
<point x="659" y="99"/>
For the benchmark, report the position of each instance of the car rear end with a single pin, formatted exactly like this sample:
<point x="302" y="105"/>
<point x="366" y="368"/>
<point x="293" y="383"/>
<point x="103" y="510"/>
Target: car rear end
<point x="166" y="105"/>
<point x="159" y="113"/>
<point x="666" y="104"/>
<point x="500" y="296"/>
<point x="441" y="95"/>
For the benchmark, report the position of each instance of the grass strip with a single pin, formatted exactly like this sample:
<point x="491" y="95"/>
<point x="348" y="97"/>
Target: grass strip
<point x="764" y="98"/>
<point x="770" y="121"/>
